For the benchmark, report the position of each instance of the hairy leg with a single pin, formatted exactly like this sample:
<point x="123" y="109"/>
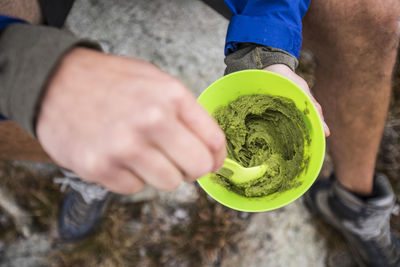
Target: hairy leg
<point x="28" y="10"/>
<point x="355" y="45"/>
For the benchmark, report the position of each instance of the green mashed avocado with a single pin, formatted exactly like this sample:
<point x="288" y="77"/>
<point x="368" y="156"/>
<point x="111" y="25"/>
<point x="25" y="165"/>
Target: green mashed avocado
<point x="264" y="129"/>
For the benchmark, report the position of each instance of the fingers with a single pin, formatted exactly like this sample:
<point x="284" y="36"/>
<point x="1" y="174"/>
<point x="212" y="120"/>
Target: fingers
<point x="122" y="181"/>
<point x="196" y="118"/>
<point x="289" y="74"/>
<point x="183" y="148"/>
<point x="319" y="109"/>
<point x="156" y="169"/>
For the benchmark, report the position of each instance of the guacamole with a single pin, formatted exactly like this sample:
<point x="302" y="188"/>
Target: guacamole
<point x="264" y="129"/>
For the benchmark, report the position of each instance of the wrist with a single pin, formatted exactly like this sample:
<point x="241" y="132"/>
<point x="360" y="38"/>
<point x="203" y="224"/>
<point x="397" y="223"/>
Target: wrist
<point x="253" y="56"/>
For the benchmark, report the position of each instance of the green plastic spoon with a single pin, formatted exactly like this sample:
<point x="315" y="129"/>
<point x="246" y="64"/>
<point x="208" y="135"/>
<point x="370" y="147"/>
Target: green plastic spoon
<point x="238" y="174"/>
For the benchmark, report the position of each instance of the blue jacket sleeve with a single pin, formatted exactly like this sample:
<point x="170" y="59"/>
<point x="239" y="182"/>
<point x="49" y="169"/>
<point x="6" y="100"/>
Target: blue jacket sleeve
<point x="5" y="20"/>
<point x="274" y="23"/>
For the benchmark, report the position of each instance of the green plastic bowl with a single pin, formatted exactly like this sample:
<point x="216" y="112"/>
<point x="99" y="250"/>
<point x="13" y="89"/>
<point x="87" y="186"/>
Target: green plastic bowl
<point x="249" y="82"/>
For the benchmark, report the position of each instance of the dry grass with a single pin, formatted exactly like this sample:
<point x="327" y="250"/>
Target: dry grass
<point x="107" y="248"/>
<point x="35" y="193"/>
<point x="210" y="232"/>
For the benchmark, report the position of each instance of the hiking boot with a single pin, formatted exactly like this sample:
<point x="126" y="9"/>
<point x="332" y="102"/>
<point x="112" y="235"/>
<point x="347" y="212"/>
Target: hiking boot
<point x="364" y="221"/>
<point x="82" y="209"/>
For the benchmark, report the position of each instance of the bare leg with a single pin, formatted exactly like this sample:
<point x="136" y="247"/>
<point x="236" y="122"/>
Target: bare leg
<point x="355" y="44"/>
<point x="28" y="10"/>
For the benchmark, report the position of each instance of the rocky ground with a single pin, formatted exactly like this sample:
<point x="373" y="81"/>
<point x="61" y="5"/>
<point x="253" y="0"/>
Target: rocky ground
<point x="183" y="228"/>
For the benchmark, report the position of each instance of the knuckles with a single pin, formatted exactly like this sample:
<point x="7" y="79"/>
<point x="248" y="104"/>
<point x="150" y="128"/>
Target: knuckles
<point x="153" y="118"/>
<point x="130" y="147"/>
<point x="177" y="93"/>
<point x="98" y="167"/>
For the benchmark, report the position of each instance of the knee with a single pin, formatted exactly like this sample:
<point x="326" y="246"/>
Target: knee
<point x="368" y="25"/>
<point x="381" y="23"/>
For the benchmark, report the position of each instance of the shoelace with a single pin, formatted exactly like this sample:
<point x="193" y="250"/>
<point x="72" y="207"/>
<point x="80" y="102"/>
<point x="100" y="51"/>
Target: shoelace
<point x="89" y="192"/>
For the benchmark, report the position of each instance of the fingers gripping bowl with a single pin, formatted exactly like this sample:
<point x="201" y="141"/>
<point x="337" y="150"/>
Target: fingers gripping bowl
<point x="240" y="87"/>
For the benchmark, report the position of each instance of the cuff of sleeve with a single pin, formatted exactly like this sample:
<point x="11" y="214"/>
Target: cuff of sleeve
<point x="28" y="56"/>
<point x="252" y="56"/>
<point x="263" y="31"/>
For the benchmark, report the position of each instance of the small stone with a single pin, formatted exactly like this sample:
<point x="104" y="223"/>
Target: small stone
<point x="133" y="226"/>
<point x="244" y="215"/>
<point x="185" y="194"/>
<point x="142" y="252"/>
<point x="396" y="210"/>
<point x="147" y="194"/>
<point x="181" y="214"/>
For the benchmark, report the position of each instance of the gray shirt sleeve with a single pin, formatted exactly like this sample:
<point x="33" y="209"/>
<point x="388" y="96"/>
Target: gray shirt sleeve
<point x="254" y="56"/>
<point x="28" y="56"/>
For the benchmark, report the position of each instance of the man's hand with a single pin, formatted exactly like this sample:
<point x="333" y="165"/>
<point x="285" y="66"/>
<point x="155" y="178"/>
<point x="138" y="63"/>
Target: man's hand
<point x="289" y="74"/>
<point x="123" y="122"/>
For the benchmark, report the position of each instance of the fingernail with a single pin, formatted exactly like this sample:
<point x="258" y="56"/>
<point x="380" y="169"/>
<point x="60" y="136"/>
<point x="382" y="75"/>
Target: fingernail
<point x="219" y="141"/>
<point x="326" y="129"/>
<point x="217" y="169"/>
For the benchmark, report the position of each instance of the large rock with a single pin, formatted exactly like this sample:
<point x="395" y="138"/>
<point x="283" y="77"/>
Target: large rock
<point x="27" y="252"/>
<point x="184" y="38"/>
<point x="284" y="237"/>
